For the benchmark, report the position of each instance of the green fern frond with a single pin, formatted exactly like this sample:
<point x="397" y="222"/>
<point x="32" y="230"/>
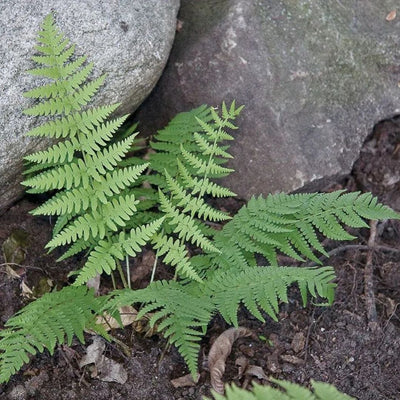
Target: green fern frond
<point x="321" y="391"/>
<point x="263" y="287"/>
<point x="182" y="317"/>
<point x="289" y="223"/>
<point x="54" y="318"/>
<point x="184" y="225"/>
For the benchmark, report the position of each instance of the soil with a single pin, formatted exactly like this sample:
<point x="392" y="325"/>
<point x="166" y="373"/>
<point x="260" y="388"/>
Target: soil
<point x="332" y="344"/>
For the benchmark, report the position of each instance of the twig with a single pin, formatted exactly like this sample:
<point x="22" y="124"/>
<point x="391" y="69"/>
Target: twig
<point x="341" y="249"/>
<point x="369" y="280"/>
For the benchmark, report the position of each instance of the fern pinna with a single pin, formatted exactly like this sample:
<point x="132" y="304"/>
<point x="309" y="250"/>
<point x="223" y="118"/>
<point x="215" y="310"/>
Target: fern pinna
<point x="93" y="204"/>
<point x="292" y="391"/>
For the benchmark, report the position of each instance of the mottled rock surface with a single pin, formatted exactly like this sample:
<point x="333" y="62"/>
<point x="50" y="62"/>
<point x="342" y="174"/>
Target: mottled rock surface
<point x="315" y="76"/>
<point x="128" y="40"/>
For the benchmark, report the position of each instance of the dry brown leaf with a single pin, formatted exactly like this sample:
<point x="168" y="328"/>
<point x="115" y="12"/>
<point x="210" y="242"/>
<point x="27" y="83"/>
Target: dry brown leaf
<point x="128" y="315"/>
<point x="391" y="16"/>
<point x="258" y="372"/>
<point x="219" y="352"/>
<point x="185" y="381"/>
<point x="298" y="342"/>
<point x="26" y="290"/>
<point x="241" y="363"/>
<point x="106" y="370"/>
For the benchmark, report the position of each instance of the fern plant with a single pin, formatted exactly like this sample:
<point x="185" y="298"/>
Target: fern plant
<point x="231" y="276"/>
<point x="321" y="391"/>
<point x="98" y="210"/>
<point x="93" y="204"/>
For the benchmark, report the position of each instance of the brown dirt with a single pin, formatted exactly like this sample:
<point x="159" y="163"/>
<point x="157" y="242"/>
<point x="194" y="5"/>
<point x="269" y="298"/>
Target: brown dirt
<point x="333" y="344"/>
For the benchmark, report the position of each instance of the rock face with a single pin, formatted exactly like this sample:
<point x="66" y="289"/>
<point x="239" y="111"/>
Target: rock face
<point x="315" y="76"/>
<point x="130" y="40"/>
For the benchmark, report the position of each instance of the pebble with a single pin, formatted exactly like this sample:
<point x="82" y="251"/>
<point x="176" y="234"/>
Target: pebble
<point x="18" y="393"/>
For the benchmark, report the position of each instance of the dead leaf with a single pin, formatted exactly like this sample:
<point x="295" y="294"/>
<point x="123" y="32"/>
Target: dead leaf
<point x="94" y="283"/>
<point x="143" y="268"/>
<point x="106" y="370"/>
<point x="391" y="16"/>
<point x="128" y="316"/>
<point x="241" y="363"/>
<point x="219" y="352"/>
<point x="185" y="381"/>
<point x="258" y="372"/>
<point x="298" y="342"/>
<point x="26" y="291"/>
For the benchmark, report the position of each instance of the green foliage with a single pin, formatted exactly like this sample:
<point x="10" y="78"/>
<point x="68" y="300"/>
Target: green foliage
<point x="93" y="203"/>
<point x="189" y="152"/>
<point x="321" y="391"/>
<point x="111" y="205"/>
<point x="54" y="318"/>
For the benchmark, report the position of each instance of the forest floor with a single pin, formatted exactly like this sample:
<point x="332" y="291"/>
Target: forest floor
<point x="337" y="344"/>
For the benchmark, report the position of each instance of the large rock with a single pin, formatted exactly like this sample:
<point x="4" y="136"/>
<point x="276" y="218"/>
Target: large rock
<point x="130" y="40"/>
<point x="314" y="75"/>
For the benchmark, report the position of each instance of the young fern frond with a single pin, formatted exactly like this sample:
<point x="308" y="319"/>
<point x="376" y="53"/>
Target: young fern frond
<point x="93" y="203"/>
<point x="292" y="391"/>
<point x="54" y="318"/>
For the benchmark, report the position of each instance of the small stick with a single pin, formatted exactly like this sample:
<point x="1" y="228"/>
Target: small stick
<point x="369" y="280"/>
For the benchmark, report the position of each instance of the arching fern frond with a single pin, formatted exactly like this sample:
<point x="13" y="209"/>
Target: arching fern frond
<point x="289" y="224"/>
<point x="54" y="318"/>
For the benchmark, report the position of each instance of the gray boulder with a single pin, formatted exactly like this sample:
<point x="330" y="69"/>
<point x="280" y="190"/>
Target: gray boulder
<point x="315" y="76"/>
<point x="130" y="40"/>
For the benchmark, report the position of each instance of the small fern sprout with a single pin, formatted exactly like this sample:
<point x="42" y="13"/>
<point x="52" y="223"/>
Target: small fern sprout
<point x="92" y="203"/>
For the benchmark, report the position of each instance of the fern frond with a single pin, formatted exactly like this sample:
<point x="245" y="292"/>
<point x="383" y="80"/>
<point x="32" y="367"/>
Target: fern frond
<point x="321" y="391"/>
<point x="54" y="318"/>
<point x="289" y="223"/>
<point x="182" y="317"/>
<point x="263" y="287"/>
<point x="61" y="177"/>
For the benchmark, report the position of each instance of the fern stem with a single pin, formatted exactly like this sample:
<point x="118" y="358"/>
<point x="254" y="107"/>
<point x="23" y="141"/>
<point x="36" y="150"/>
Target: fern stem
<point x="113" y="280"/>
<point x="121" y="274"/>
<point x="128" y="271"/>
<point x="153" y="271"/>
